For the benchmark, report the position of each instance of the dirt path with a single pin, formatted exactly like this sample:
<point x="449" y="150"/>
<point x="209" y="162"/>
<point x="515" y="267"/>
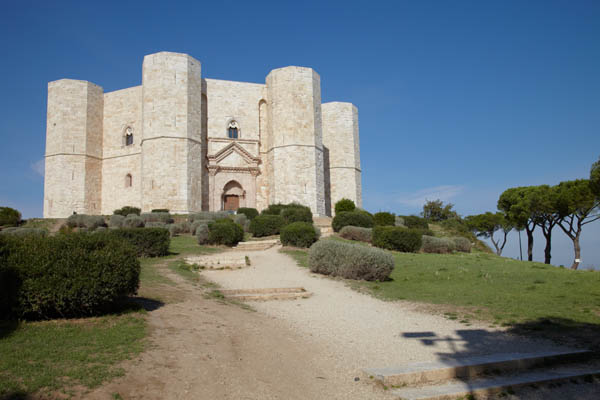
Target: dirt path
<point x="204" y="349"/>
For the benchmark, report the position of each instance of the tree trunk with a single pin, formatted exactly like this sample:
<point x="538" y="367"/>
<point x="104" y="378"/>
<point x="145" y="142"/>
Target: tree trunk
<point x="529" y="244"/>
<point x="577" y="252"/>
<point x="548" y="249"/>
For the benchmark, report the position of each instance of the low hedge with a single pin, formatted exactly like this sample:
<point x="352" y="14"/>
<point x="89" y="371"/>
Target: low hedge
<point x="148" y="242"/>
<point x="351" y="261"/>
<point x="242" y="221"/>
<point x="384" y="218"/>
<point x="25" y="231"/>
<point x="208" y="215"/>
<point x="72" y="275"/>
<point x="90" y="222"/>
<point x="397" y="238"/>
<point x="357" y="233"/>
<point x="116" y="221"/>
<point x="249" y="212"/>
<point x="436" y="245"/>
<point x="298" y="234"/>
<point x="344" y="205"/>
<point x="266" y="225"/>
<point x="133" y="221"/>
<point x="354" y="218"/>
<point x="201" y="233"/>
<point x="9" y="216"/>
<point x="160" y="210"/>
<point x="125" y="211"/>
<point x="160" y="216"/>
<point x="225" y="231"/>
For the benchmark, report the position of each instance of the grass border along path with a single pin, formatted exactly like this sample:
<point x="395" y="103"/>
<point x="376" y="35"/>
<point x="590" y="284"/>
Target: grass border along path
<point x="525" y="296"/>
<point x="55" y="356"/>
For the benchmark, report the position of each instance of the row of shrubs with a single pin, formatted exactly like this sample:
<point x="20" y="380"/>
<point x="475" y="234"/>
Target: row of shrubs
<point x="72" y="275"/>
<point x="406" y="240"/>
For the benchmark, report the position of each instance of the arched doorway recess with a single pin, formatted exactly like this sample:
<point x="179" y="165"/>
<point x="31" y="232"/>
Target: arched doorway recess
<point x="232" y="195"/>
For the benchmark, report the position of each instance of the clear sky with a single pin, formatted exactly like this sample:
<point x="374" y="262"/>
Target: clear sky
<point x="457" y="100"/>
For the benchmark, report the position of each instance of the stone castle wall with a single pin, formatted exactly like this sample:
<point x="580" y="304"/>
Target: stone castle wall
<point x="290" y="148"/>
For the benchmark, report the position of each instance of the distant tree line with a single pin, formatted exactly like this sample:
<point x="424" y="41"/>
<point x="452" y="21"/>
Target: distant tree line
<point x="570" y="205"/>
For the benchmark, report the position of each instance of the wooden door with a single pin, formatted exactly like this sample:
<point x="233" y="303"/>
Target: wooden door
<point x="232" y="203"/>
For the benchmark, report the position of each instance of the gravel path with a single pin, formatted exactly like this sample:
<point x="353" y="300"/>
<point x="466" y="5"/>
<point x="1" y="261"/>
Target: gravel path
<point x="361" y="331"/>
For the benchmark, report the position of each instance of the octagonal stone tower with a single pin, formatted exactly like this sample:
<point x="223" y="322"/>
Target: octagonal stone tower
<point x="294" y="146"/>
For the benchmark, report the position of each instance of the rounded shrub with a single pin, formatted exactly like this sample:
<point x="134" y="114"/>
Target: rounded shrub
<point x="127" y="210"/>
<point x="202" y="233"/>
<point x="116" y="220"/>
<point x="9" y="216"/>
<point x="351" y="261"/>
<point x="147" y="242"/>
<point x="266" y="225"/>
<point x="152" y="224"/>
<point x="242" y="221"/>
<point x="461" y="244"/>
<point x="273" y="209"/>
<point x="344" y="205"/>
<point x="71" y="275"/>
<point x="208" y="216"/>
<point x="431" y="244"/>
<point x="297" y="214"/>
<point x="225" y="231"/>
<point x="354" y="218"/>
<point x="357" y="233"/>
<point x="384" y="218"/>
<point x="298" y="234"/>
<point x="399" y="221"/>
<point x="133" y="221"/>
<point x="249" y="212"/>
<point x="397" y="238"/>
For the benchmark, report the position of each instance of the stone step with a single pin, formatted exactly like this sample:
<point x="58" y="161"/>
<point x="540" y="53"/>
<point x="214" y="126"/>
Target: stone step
<point x="264" y="294"/>
<point x="435" y="371"/>
<point x="494" y="385"/>
<point x="220" y="261"/>
<point x="256" y="245"/>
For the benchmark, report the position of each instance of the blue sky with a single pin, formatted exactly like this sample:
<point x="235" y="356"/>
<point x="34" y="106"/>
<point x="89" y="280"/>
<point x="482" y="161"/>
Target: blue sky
<point x="457" y="100"/>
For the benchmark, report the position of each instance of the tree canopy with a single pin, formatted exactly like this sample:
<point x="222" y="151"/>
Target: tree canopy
<point x="485" y="225"/>
<point x="435" y="211"/>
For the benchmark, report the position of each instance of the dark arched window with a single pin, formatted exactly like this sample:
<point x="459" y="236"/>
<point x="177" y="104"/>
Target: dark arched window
<point x="128" y="180"/>
<point x="128" y="136"/>
<point x="233" y="130"/>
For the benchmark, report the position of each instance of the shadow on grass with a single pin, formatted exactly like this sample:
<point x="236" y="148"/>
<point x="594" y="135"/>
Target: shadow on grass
<point x="18" y="395"/>
<point x="562" y="331"/>
<point x="8" y="327"/>
<point x="144" y="303"/>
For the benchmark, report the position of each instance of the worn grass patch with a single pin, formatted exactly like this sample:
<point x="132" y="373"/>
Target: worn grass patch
<point x="45" y="356"/>
<point x="300" y="255"/>
<point x="188" y="245"/>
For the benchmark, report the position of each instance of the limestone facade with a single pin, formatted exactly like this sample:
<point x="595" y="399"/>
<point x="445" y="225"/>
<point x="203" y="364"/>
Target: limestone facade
<point x="187" y="144"/>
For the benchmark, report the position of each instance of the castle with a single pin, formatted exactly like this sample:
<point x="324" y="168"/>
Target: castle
<point x="185" y="143"/>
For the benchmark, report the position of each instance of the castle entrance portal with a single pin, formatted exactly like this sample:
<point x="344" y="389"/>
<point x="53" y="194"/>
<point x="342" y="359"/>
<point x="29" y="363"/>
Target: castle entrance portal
<point x="232" y="194"/>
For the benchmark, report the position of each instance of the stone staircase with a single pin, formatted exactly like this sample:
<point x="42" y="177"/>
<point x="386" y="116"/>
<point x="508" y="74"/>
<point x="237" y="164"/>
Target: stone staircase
<point x="324" y="225"/>
<point x="256" y="245"/>
<point x="483" y="375"/>
<point x="291" y="293"/>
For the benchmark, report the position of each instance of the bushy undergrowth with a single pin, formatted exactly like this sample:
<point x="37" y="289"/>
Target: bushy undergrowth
<point x="384" y="218"/>
<point x="414" y="222"/>
<point x="153" y="224"/>
<point x="351" y="261"/>
<point x="298" y="234"/>
<point x="437" y="245"/>
<point x="89" y="222"/>
<point x="249" y="212"/>
<point x="18" y="231"/>
<point x="116" y="221"/>
<point x="357" y="233"/>
<point x="71" y="275"/>
<point x="225" y="231"/>
<point x="242" y="221"/>
<point x="125" y="211"/>
<point x="266" y="225"/>
<point x="9" y="216"/>
<point x="344" y="205"/>
<point x="397" y="238"/>
<point x="148" y="242"/>
<point x="354" y="218"/>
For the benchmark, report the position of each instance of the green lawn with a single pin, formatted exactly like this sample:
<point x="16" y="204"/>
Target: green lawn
<point x="483" y="286"/>
<point x="47" y="356"/>
<point x="50" y="356"/>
